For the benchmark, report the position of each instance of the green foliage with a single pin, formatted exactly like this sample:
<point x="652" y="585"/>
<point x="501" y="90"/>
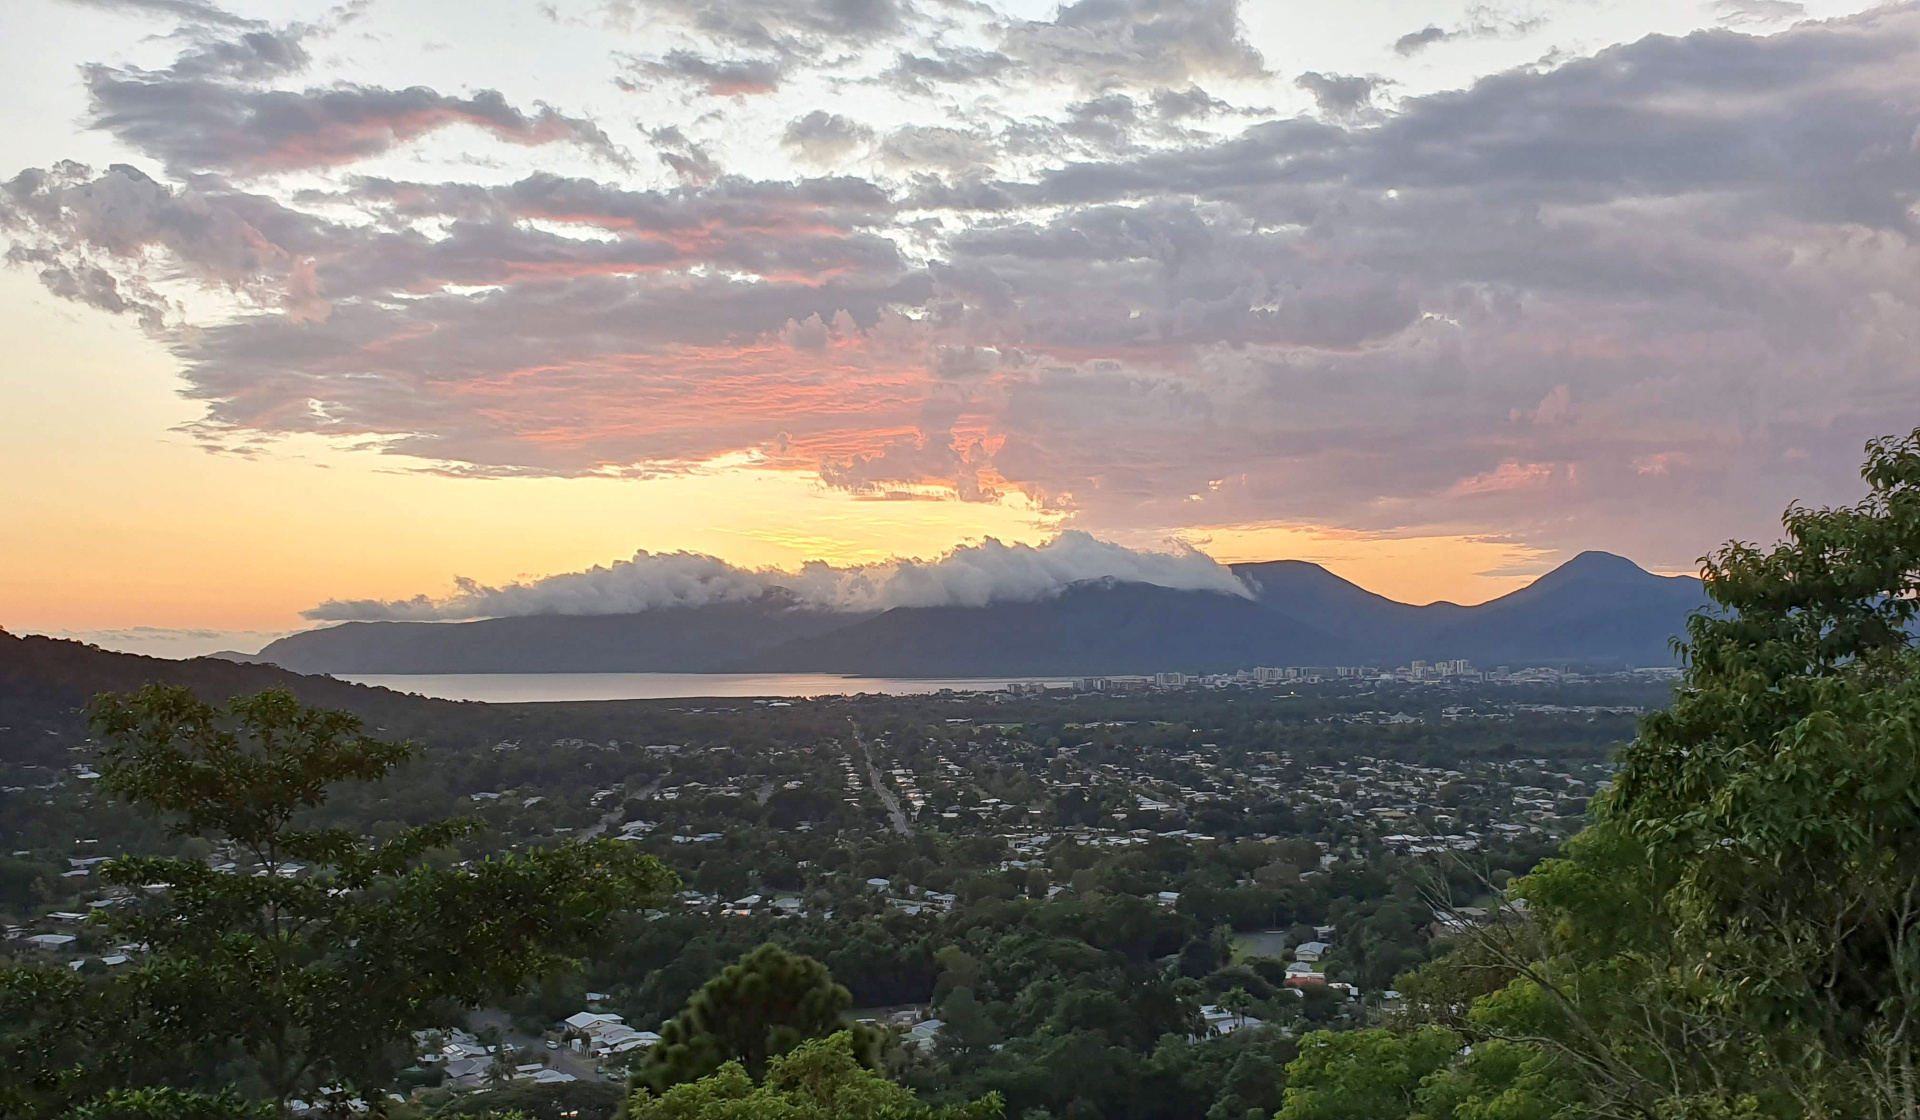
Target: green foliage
<point x="820" y="1079"/>
<point x="1363" y="1075"/>
<point x="574" y="1100"/>
<point x="311" y="970"/>
<point x="1499" y="1081"/>
<point x="755" y="1009"/>
<point x="23" y="884"/>
<point x="1738" y="933"/>
<point x="172" y="1104"/>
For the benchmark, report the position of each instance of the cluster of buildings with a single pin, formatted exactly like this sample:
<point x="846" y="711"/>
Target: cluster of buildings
<point x="1451" y="671"/>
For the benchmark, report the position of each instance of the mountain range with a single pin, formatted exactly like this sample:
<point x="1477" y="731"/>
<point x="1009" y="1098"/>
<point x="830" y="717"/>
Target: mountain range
<point x="1596" y="609"/>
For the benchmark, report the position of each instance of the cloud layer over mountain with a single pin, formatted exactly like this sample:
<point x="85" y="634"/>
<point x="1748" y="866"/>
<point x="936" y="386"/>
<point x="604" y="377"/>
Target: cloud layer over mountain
<point x="1628" y="299"/>
<point x="968" y="576"/>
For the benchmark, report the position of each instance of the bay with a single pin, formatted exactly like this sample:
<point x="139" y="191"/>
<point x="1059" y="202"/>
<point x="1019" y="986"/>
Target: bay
<point x="537" y="688"/>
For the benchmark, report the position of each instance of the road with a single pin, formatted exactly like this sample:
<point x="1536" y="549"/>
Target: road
<point x="879" y="787"/>
<point x="618" y="813"/>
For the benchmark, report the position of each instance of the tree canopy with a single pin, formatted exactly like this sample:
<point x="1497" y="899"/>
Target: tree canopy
<point x="819" y="1079"/>
<point x="1737" y="933"/>
<point x="758" y="1008"/>
<point x="301" y="969"/>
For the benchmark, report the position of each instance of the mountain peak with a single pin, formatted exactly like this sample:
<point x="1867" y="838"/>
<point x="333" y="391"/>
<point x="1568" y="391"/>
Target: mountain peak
<point x="1596" y="565"/>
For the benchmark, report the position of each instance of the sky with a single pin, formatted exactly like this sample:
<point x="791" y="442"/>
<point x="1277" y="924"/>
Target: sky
<point x="322" y="311"/>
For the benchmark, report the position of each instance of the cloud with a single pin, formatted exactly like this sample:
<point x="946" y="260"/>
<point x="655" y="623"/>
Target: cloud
<point x="951" y="149"/>
<point x="90" y="238"/>
<point x="1099" y="44"/>
<point x="968" y="576"/>
<point x="211" y="111"/>
<point x="1413" y="42"/>
<point x="824" y="138"/>
<point x="783" y="26"/>
<point x="718" y="77"/>
<point x="1708" y="241"/>
<point x="947" y="65"/>
<point x="690" y="161"/>
<point x="1190" y="102"/>
<point x="1484" y="21"/>
<point x="1741" y="13"/>
<point x="199" y="124"/>
<point x="194" y="11"/>
<point x="1339" y="95"/>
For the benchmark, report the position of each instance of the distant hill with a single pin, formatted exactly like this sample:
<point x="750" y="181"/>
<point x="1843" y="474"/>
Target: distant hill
<point x="1101" y="627"/>
<point x="45" y="683"/>
<point x="1595" y="609"/>
<point x="683" y="640"/>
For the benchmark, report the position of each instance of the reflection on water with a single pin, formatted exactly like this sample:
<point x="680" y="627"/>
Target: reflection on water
<point x="526" y="688"/>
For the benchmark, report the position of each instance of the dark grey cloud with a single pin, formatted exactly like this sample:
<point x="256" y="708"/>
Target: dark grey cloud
<point x="1739" y="13"/>
<point x="718" y="77"/>
<point x="214" y="109"/>
<point x="193" y="11"/>
<point x="1483" y="22"/>
<point x="1193" y="101"/>
<point x="1413" y="42"/>
<point x="947" y="65"/>
<point x="1109" y="121"/>
<point x="258" y="54"/>
<point x="785" y="27"/>
<point x="956" y="150"/>
<point x="690" y="161"/>
<point x="198" y="124"/>
<point x="1099" y="44"/>
<point x="824" y="138"/>
<point x="1339" y="95"/>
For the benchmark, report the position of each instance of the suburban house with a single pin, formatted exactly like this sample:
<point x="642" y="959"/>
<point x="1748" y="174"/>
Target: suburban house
<point x="598" y="1033"/>
<point x="922" y="1035"/>
<point x="1218" y="1020"/>
<point x="1311" y="951"/>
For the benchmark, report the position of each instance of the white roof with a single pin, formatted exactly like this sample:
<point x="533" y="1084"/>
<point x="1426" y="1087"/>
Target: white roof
<point x="587" y="1020"/>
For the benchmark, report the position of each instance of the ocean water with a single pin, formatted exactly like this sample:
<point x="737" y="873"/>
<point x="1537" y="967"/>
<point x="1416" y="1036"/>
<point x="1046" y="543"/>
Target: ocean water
<point x="534" y="688"/>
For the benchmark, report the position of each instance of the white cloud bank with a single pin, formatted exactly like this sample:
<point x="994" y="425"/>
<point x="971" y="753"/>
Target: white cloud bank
<point x="968" y="576"/>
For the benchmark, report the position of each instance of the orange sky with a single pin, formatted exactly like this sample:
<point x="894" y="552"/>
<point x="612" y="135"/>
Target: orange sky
<point x="112" y="518"/>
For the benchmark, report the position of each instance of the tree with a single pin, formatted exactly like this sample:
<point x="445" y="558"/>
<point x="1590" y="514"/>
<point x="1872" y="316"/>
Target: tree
<point x="1363" y="1075"/>
<point x="312" y="970"/>
<point x="757" y="1008"/>
<point x="967" y="1027"/>
<point x="1738" y="932"/>
<point x="1239" y="1002"/>
<point x="820" y="1079"/>
<point x="571" y="1100"/>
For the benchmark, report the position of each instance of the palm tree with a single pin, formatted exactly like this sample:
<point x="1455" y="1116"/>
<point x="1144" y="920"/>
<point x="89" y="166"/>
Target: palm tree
<point x="1239" y="1001"/>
